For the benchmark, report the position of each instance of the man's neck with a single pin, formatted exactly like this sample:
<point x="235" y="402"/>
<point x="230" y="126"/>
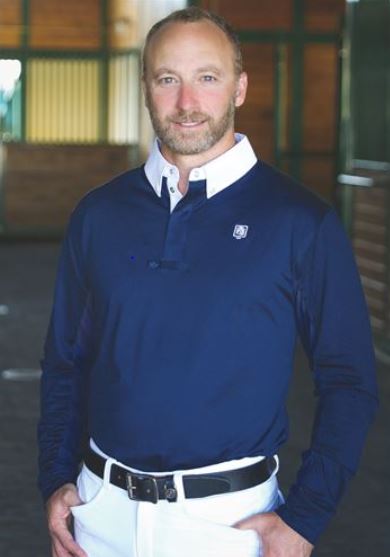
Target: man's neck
<point x="186" y="163"/>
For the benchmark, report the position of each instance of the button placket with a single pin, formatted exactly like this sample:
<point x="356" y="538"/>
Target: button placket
<point x="173" y="257"/>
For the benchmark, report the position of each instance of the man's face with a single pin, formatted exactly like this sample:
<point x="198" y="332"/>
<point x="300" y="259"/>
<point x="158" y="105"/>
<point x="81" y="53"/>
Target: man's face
<point x="191" y="88"/>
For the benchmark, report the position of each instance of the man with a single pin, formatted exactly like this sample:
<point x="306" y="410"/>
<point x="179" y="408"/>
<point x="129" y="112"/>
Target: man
<point x="181" y="290"/>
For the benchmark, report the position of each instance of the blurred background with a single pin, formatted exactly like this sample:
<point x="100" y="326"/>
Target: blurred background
<point x="72" y="116"/>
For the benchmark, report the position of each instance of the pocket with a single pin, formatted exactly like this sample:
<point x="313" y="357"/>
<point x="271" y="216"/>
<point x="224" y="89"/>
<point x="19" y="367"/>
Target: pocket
<point x="229" y="534"/>
<point x="195" y="536"/>
<point x="208" y="522"/>
<point x="229" y="541"/>
<point x="106" y="519"/>
<point x="91" y="491"/>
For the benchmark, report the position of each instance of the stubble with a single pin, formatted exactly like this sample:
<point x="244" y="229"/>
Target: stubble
<point x="191" y="142"/>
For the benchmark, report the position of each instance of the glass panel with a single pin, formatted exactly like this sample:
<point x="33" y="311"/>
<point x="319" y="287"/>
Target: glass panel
<point x="10" y="100"/>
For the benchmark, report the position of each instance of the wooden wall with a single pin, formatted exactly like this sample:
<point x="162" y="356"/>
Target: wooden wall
<point x="323" y="15"/>
<point x="256" y="116"/>
<point x="318" y="15"/>
<point x="43" y="183"/>
<point x="65" y="24"/>
<point x="254" y="14"/>
<point x="10" y="23"/>
<point x="70" y="24"/>
<point x="320" y="110"/>
<point x="311" y="135"/>
<point x="370" y="235"/>
<point x="53" y="24"/>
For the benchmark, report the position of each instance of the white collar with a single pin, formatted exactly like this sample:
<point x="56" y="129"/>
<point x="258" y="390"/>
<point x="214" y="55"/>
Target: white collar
<point x="218" y="173"/>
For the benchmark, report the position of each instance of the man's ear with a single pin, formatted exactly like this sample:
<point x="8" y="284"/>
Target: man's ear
<point x="241" y="88"/>
<point x="144" y="91"/>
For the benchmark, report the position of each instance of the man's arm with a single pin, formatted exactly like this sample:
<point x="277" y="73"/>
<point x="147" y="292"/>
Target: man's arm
<point x="333" y="324"/>
<point x="63" y="393"/>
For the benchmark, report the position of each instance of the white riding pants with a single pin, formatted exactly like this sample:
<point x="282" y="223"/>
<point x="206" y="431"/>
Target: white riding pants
<point x="109" y="524"/>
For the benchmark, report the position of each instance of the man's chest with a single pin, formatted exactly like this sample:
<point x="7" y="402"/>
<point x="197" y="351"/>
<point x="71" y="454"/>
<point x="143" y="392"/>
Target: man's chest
<point x="239" y="258"/>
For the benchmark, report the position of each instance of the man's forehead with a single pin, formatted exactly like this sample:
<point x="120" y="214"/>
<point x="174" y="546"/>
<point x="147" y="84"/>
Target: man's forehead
<point x="178" y="29"/>
<point x="195" y="38"/>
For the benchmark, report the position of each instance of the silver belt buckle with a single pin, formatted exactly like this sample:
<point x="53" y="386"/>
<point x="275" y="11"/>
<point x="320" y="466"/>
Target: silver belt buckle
<point x="141" y="487"/>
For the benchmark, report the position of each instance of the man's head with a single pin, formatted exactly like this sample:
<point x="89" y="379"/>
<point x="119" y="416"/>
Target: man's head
<point x="193" y="81"/>
<point x="195" y="15"/>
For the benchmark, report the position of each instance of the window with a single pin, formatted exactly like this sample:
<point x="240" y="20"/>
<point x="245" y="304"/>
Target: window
<point x="10" y="100"/>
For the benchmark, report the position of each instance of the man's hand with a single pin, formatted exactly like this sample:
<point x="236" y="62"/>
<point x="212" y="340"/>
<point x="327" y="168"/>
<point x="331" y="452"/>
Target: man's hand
<point x="278" y="539"/>
<point x="59" y="517"/>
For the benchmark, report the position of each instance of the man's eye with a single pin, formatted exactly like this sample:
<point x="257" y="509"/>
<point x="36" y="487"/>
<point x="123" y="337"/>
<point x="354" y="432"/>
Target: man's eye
<point x="168" y="80"/>
<point x="208" y="78"/>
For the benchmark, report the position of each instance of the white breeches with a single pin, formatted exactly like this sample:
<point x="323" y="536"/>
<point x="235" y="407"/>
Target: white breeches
<point x="109" y="524"/>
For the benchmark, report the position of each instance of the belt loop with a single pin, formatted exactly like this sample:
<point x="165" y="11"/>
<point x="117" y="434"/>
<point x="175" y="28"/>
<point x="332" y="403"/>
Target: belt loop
<point x="179" y="485"/>
<point x="277" y="465"/>
<point x="107" y="471"/>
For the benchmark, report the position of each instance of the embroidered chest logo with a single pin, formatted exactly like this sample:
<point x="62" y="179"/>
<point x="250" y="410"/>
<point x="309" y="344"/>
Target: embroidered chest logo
<point x="240" y="231"/>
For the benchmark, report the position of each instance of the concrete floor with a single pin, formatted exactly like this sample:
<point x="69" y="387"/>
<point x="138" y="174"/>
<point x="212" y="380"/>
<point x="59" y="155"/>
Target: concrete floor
<point x="360" y="529"/>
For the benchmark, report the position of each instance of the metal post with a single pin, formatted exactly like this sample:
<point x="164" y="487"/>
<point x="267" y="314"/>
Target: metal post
<point x="297" y="90"/>
<point x="25" y="41"/>
<point x="104" y="67"/>
<point x="279" y="123"/>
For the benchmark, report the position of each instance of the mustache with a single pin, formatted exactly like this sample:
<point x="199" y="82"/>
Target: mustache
<point x="184" y="117"/>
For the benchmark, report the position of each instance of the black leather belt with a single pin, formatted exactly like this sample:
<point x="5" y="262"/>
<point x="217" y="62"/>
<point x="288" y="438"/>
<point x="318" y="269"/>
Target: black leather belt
<point x="146" y="487"/>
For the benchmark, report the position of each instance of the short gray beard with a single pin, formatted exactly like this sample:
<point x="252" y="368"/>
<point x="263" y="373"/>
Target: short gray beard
<point x="192" y="146"/>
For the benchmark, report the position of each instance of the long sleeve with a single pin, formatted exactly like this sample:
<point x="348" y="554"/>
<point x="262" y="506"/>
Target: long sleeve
<point x="63" y="385"/>
<point x="333" y="325"/>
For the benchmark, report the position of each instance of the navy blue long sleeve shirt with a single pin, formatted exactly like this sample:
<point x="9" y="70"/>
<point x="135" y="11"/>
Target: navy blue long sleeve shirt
<point x="172" y="336"/>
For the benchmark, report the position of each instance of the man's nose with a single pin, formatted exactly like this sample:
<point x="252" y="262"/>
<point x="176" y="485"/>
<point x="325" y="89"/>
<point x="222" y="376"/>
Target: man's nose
<point x="187" y="98"/>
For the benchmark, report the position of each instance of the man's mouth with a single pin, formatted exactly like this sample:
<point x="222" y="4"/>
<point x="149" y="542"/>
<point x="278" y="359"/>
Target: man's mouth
<point x="189" y="124"/>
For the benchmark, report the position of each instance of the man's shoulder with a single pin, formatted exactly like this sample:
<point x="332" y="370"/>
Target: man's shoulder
<point x="103" y="203"/>
<point x="288" y="195"/>
<point x="114" y="190"/>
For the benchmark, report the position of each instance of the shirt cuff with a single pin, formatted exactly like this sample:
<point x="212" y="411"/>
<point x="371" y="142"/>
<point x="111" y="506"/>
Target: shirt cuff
<point x="313" y="499"/>
<point x="47" y="488"/>
<point x="302" y="515"/>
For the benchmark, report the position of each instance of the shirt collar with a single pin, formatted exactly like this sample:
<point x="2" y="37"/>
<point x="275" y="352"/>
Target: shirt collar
<point x="218" y="173"/>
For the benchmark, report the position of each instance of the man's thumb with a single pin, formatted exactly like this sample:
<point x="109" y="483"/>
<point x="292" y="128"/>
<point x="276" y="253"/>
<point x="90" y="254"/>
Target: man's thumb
<point x="71" y="496"/>
<point x="249" y="523"/>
